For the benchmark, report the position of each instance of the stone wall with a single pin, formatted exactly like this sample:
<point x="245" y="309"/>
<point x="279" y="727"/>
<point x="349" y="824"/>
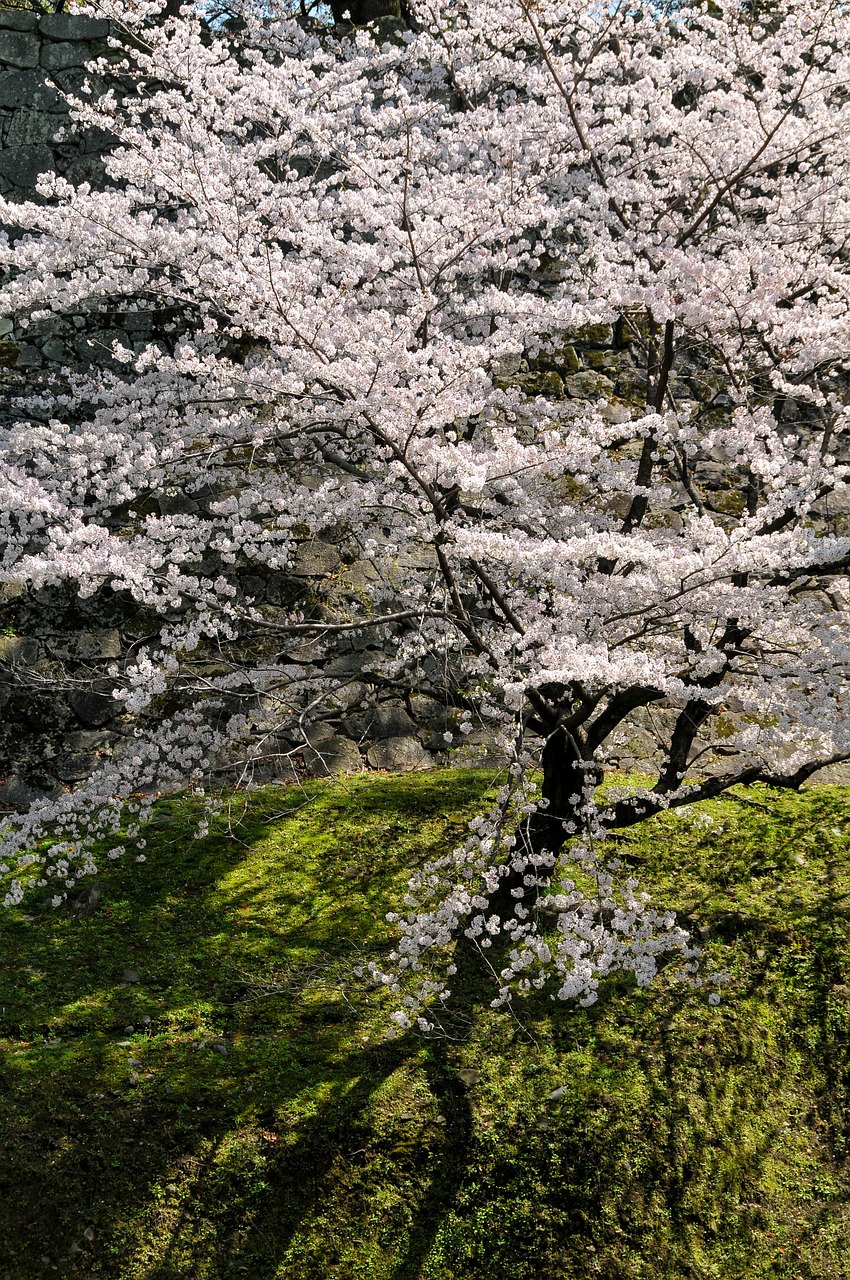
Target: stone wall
<point x="42" y="57"/>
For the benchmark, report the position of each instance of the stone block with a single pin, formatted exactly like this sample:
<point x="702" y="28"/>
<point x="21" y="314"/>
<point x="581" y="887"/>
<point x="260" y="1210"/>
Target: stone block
<point x="390" y="720"/>
<point x="73" y="26"/>
<point x="17" y="20"/>
<point x="344" y="697"/>
<point x="177" y="504"/>
<point x="836" y="503"/>
<point x="55" y="350"/>
<point x="75" y="767"/>
<point x="30" y="90"/>
<point x="544" y="383"/>
<point x="22" y="165"/>
<point x="86" y="645"/>
<point x="29" y="355"/>
<point x="18" y="651"/>
<point x="428" y="711"/>
<point x="19" y="48"/>
<point x="94" y="707"/>
<point x="402" y="754"/>
<point x="304" y="649"/>
<point x="596" y="335"/>
<point x="9" y="355"/>
<point x="589" y="385"/>
<point x="85" y="740"/>
<point x="12" y="591"/>
<point x="332" y="755"/>
<point x="89" y="169"/>
<point x="31" y="126"/>
<point x="359" y="575"/>
<point x="17" y="791"/>
<point x="57" y="57"/>
<point x="348" y="664"/>
<point x="315" y="559"/>
<point x="604" y="361"/>
<point x="412" y="556"/>
<point x="562" y="359"/>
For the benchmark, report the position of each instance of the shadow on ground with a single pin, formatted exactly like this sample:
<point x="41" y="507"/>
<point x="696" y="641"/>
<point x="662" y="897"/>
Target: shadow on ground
<point x="195" y="1084"/>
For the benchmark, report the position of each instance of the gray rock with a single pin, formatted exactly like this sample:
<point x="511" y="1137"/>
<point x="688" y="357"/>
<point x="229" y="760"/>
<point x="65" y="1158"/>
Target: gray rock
<point x="427" y="711"/>
<point x="56" y="57"/>
<point x="413" y="557"/>
<point x="835" y="774"/>
<point x="130" y="975"/>
<point x="348" y="664"/>
<point x="18" y="651"/>
<point x="31" y="126"/>
<point x="94" y="707"/>
<point x="305" y="650"/>
<point x="315" y="559"/>
<point x="177" y="504"/>
<point x="19" y="48"/>
<point x="16" y="791"/>
<point x="316" y="733"/>
<point x="399" y="753"/>
<point x="29" y="89"/>
<point x="55" y="350"/>
<point x="17" y="20"/>
<point x="332" y="755"/>
<point x="359" y="575"/>
<point x="86" y="645"/>
<point x="542" y="383"/>
<point x="835" y="504"/>
<point x="73" y="26"/>
<point x="29" y="356"/>
<point x="389" y="720"/>
<point x="87" y="902"/>
<point x="589" y="385"/>
<point x="345" y="697"/>
<point x="74" y="768"/>
<point x="86" y="169"/>
<point x="22" y="165"/>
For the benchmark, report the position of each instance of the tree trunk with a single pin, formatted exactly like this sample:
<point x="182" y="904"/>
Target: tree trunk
<point x="564" y="779"/>
<point x="363" y="11"/>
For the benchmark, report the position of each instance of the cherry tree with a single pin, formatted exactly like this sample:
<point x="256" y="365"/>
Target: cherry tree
<point x="350" y="240"/>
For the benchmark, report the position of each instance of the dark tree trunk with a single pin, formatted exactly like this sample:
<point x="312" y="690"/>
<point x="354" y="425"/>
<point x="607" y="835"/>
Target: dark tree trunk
<point x="564" y="780"/>
<point x="363" y="11"/>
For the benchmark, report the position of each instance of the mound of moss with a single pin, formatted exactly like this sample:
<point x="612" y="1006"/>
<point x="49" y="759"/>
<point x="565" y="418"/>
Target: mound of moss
<point x="195" y="1083"/>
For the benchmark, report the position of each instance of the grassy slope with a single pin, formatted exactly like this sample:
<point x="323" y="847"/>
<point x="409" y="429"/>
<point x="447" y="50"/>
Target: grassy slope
<point x="260" y="1125"/>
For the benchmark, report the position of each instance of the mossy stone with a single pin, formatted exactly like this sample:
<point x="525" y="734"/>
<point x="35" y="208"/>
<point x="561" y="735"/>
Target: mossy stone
<point x="543" y="383"/>
<point x="559" y="359"/>
<point x="597" y="335"/>
<point x="589" y="385"/>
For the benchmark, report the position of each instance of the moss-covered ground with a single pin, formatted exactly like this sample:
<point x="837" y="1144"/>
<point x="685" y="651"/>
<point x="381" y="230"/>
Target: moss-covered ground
<point x="194" y="1084"/>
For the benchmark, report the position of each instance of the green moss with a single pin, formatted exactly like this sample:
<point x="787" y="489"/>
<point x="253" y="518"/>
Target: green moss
<point x="562" y="359"/>
<point x="542" y="383"/>
<point x="239" y="1110"/>
<point x="604" y="361"/>
<point x="597" y="335"/>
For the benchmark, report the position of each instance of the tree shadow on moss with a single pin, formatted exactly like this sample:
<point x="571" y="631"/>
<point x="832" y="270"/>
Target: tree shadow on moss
<point x="300" y="1153"/>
